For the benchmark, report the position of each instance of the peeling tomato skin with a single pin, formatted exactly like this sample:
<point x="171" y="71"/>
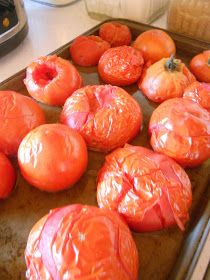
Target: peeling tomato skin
<point x="180" y="128"/>
<point x="150" y="190"/>
<point x="81" y="242"/>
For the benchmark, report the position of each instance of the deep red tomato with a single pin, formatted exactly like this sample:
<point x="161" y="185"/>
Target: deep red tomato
<point x="51" y="80"/>
<point x="81" y="242"/>
<point x="120" y="66"/>
<point x="18" y="115"/>
<point x="7" y="176"/>
<point x="87" y="50"/>
<point x="52" y="157"/>
<point x="155" y="44"/>
<point x="150" y="190"/>
<point x="165" y="79"/>
<point x="100" y="113"/>
<point x="200" y="66"/>
<point x="180" y="128"/>
<point x="200" y="93"/>
<point x="115" y="33"/>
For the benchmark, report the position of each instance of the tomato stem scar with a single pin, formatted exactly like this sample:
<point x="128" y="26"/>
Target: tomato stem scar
<point x="172" y="64"/>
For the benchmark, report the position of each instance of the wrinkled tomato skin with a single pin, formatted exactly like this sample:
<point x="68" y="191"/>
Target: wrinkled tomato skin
<point x="120" y="66"/>
<point x="52" y="157"/>
<point x="199" y="93"/>
<point x="81" y="242"/>
<point x="100" y="114"/>
<point x="51" y="80"/>
<point x="18" y="115"/>
<point x="87" y="50"/>
<point x="115" y="33"/>
<point x="200" y="66"/>
<point x="7" y="175"/>
<point x="180" y="128"/>
<point x="150" y="190"/>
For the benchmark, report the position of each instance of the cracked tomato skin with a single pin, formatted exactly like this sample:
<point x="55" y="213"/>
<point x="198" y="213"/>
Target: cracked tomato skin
<point x="150" y="190"/>
<point x="100" y="114"/>
<point x="18" y="115"/>
<point x="52" y="79"/>
<point x="87" y="50"/>
<point x="200" y="66"/>
<point x="121" y="66"/>
<point x="81" y="242"/>
<point x="180" y="128"/>
<point x="52" y="157"/>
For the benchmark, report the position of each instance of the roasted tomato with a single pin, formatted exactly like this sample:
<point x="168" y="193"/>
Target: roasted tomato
<point x="52" y="157"/>
<point x="150" y="190"/>
<point x="7" y="175"/>
<point x="100" y="113"/>
<point x="115" y="33"/>
<point x="81" y="242"/>
<point x="155" y="44"/>
<point x="120" y="66"/>
<point x="18" y="115"/>
<point x="180" y="128"/>
<point x="200" y="66"/>
<point x="200" y="93"/>
<point x="86" y="50"/>
<point x="51" y="80"/>
<point x="165" y="79"/>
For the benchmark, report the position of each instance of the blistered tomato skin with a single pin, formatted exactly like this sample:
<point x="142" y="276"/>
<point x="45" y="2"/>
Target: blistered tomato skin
<point x="101" y="114"/>
<point x="180" y="128"/>
<point x="51" y="80"/>
<point x="52" y="157"/>
<point x="18" y="115"/>
<point x="200" y="66"/>
<point x="120" y="66"/>
<point x="81" y="242"/>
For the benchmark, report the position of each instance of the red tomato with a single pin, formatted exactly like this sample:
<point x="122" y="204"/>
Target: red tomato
<point x="99" y="113"/>
<point x="52" y="157"/>
<point x="165" y="79"/>
<point x="7" y="175"/>
<point x="150" y="190"/>
<point x="86" y="50"/>
<point x="120" y="66"/>
<point x="51" y="80"/>
<point x="180" y="128"/>
<point x="81" y="242"/>
<point x="18" y="115"/>
<point x="200" y="66"/>
<point x="155" y="44"/>
<point x="200" y="93"/>
<point x="115" y="33"/>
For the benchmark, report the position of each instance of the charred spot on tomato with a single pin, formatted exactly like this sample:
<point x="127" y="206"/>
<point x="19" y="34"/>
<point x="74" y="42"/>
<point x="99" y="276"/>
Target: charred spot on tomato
<point x="172" y="64"/>
<point x="44" y="74"/>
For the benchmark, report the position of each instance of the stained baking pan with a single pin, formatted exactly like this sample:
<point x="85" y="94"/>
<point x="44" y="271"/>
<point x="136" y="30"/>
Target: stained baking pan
<point x="167" y="254"/>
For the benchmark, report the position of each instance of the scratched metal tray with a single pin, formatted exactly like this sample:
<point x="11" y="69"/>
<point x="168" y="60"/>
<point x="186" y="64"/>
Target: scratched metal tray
<point x="167" y="254"/>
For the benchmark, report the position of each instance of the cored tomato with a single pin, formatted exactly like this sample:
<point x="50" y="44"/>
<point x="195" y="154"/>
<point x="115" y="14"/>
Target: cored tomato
<point x="150" y="190"/>
<point x="52" y="157"/>
<point x="81" y="242"/>
<point x="87" y="50"/>
<point x="7" y="176"/>
<point x="115" y="33"/>
<point x="51" y="80"/>
<point x="155" y="44"/>
<point x="100" y="113"/>
<point x="165" y="79"/>
<point x="200" y="66"/>
<point x="180" y="128"/>
<point x="18" y="115"/>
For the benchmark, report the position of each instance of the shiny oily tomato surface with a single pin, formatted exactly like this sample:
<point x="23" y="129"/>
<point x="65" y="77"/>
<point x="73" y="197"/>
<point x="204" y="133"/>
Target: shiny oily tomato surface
<point x="101" y="114"/>
<point x="52" y="79"/>
<point x="120" y="66"/>
<point x="18" y="115"/>
<point x="52" y="157"/>
<point x="81" y="242"/>
<point x="200" y="66"/>
<point x="150" y="190"/>
<point x="180" y="128"/>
